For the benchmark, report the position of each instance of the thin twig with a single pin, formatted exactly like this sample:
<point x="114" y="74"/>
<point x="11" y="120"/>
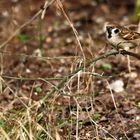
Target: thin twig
<point x="31" y="79"/>
<point x="18" y="30"/>
<point x="72" y="26"/>
<point x="128" y="63"/>
<point x="45" y="7"/>
<point x="24" y="24"/>
<point x="38" y="57"/>
<point x="112" y="96"/>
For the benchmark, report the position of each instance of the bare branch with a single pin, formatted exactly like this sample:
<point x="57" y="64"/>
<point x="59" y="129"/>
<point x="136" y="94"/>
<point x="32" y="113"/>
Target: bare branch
<point x="105" y="55"/>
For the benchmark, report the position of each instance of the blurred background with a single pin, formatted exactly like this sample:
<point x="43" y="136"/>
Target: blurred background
<point x="82" y="13"/>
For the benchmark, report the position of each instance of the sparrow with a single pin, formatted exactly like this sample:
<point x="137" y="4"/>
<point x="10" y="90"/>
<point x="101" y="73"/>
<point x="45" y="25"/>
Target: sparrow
<point x="121" y="37"/>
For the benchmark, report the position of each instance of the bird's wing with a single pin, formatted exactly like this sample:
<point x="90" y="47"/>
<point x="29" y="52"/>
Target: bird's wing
<point x="129" y="35"/>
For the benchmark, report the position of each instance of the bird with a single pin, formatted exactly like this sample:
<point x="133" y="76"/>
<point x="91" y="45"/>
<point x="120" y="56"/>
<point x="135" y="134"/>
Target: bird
<point x="121" y="37"/>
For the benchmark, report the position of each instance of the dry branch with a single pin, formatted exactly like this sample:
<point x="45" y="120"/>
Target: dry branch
<point x="105" y="55"/>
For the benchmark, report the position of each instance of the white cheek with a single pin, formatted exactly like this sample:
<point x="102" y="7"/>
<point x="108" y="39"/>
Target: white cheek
<point x="106" y="33"/>
<point x="114" y="34"/>
<point x="115" y="39"/>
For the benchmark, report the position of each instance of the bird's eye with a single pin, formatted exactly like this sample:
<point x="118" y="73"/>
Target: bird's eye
<point x="116" y="31"/>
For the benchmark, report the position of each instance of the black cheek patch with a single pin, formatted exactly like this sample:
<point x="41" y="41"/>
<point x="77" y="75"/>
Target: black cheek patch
<point x="109" y="32"/>
<point x="109" y="35"/>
